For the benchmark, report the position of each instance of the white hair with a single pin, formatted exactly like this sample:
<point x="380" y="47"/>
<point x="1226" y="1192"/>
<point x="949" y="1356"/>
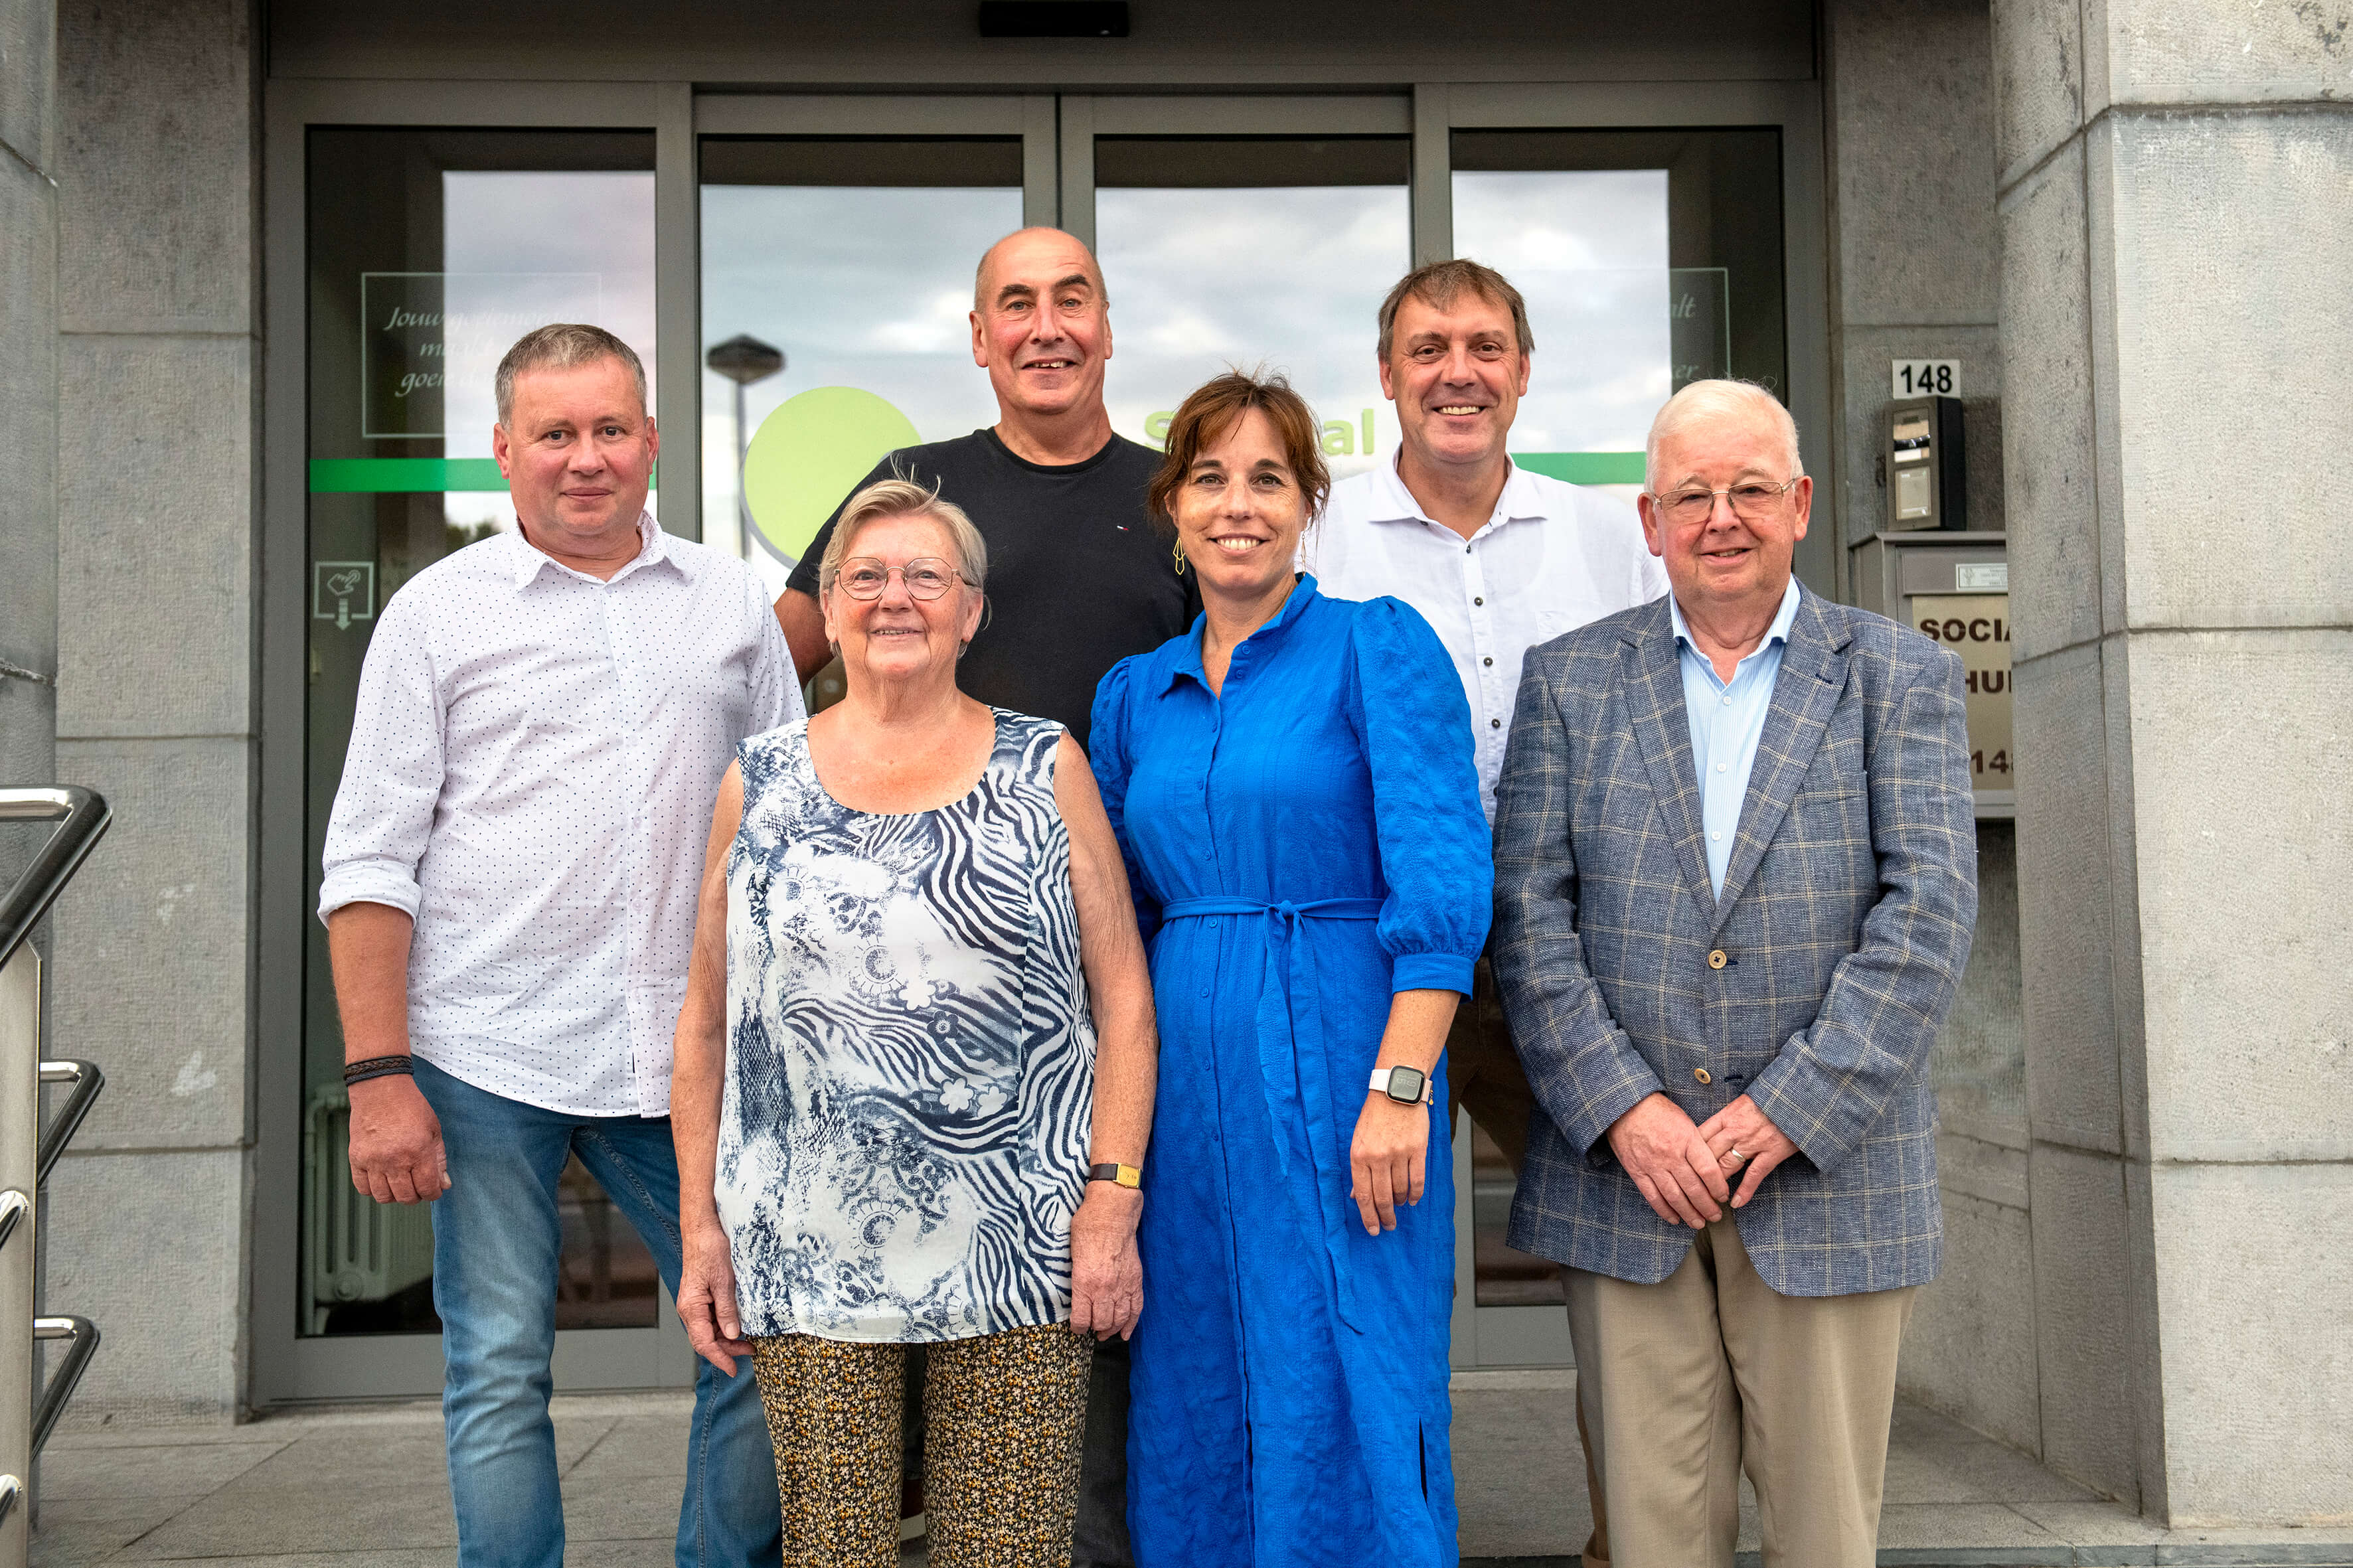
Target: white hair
<point x="1716" y="398"/>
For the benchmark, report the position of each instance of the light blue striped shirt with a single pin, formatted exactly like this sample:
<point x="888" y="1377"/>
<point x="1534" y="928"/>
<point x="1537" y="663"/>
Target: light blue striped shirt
<point x="1726" y="720"/>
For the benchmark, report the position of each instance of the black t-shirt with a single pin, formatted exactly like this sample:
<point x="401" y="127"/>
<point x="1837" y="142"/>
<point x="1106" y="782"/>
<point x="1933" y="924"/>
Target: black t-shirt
<point x="1079" y="578"/>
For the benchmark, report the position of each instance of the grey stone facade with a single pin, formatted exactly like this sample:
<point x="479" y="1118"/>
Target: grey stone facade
<point x="154" y="568"/>
<point x="28" y="409"/>
<point x="2131" y="219"/>
<point x="2177" y="227"/>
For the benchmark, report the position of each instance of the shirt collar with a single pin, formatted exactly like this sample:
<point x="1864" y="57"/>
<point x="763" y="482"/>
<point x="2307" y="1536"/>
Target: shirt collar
<point x="1786" y="617"/>
<point x="1187" y="660"/>
<point x="1521" y="500"/>
<point x="653" y="548"/>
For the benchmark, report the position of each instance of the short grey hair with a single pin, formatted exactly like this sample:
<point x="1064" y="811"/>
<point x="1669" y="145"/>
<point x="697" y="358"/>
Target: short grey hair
<point x="564" y="345"/>
<point x="901" y="497"/>
<point x="1716" y="398"/>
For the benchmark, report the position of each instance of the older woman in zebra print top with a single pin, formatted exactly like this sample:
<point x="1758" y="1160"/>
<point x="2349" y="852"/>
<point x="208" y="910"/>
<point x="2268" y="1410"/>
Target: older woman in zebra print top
<point x="918" y="1017"/>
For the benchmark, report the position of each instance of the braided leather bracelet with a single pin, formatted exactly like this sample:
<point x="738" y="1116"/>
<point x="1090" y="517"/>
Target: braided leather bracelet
<point x="375" y="1066"/>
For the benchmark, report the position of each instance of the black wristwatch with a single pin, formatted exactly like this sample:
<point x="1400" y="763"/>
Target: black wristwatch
<point x="1407" y="1086"/>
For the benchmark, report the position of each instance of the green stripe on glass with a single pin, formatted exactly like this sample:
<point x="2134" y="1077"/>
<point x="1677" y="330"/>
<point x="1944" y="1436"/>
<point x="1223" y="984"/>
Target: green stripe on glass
<point x="350" y="475"/>
<point x="396" y="476"/>
<point x="1580" y="468"/>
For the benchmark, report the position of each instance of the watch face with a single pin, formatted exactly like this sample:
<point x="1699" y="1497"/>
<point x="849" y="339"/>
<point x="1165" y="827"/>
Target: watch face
<point x="1406" y="1084"/>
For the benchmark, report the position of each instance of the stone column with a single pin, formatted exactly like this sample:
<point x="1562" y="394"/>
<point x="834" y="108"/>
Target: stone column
<point x="28" y="410"/>
<point x="2176" y="192"/>
<point x="156" y="566"/>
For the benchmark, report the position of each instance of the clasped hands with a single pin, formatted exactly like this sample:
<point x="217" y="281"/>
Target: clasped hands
<point x="1686" y="1170"/>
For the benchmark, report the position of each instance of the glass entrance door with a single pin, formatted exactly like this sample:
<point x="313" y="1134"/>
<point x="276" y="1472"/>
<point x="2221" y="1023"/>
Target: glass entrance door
<point x="429" y="252"/>
<point x="816" y="251"/>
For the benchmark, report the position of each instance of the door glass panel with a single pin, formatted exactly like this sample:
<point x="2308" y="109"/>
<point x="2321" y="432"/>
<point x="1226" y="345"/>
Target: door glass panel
<point x="1250" y="252"/>
<point x="1650" y="259"/>
<point x="430" y="253"/>
<point x="853" y="259"/>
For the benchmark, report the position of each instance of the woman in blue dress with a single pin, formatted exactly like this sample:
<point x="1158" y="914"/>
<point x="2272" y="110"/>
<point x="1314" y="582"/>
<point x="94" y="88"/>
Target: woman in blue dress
<point x="1292" y="789"/>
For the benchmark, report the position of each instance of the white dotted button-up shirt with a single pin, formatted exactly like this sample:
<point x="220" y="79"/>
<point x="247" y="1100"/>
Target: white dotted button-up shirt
<point x="532" y="767"/>
<point x="1553" y="557"/>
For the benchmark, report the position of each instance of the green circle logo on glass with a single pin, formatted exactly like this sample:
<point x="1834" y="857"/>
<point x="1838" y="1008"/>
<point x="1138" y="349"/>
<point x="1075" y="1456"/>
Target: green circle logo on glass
<point x="807" y="456"/>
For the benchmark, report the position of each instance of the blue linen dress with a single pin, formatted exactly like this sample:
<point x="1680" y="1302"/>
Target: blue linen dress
<point x="1300" y="848"/>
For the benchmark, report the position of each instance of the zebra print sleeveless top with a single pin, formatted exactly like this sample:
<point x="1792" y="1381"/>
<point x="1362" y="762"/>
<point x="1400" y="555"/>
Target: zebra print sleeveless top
<point x="911" y="1057"/>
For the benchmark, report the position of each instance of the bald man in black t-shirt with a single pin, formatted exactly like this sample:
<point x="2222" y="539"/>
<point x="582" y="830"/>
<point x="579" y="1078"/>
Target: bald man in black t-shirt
<point x="1079" y="578"/>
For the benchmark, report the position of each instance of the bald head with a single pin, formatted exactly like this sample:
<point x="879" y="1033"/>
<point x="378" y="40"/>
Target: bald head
<point x="1028" y="251"/>
<point x="1040" y="329"/>
<point x="1703" y="401"/>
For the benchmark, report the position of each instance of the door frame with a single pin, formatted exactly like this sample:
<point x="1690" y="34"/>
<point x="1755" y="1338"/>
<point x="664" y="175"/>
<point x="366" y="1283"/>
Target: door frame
<point x="287" y="1367"/>
<point x="1057" y="133"/>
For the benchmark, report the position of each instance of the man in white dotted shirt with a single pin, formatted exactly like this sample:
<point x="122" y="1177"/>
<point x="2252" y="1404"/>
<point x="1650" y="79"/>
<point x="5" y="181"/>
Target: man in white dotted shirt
<point x="511" y="869"/>
<point x="1496" y="558"/>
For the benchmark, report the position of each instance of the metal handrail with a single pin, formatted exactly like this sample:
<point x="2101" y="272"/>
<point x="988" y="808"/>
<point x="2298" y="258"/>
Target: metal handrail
<point x="85" y="816"/>
<point x="84" y="1335"/>
<point x="27" y="1150"/>
<point x="86" y="1081"/>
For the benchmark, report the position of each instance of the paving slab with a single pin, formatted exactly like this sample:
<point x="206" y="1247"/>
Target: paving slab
<point x="91" y="1529"/>
<point x="366" y="1486"/>
<point x="255" y="1523"/>
<point x="154" y="1469"/>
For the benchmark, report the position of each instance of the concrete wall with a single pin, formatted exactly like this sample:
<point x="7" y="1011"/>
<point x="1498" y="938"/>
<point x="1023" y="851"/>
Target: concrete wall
<point x="1915" y="264"/>
<point x="2176" y="225"/>
<point x="155" y="564"/>
<point x="28" y="394"/>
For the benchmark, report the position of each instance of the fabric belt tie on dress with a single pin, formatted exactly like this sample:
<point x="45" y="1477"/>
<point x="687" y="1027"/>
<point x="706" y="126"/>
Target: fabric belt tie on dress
<point x="1294" y="1078"/>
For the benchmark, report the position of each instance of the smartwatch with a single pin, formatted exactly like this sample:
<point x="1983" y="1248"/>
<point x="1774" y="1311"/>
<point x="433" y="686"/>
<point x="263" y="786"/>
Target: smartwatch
<point x="1129" y="1176"/>
<point x="1407" y="1086"/>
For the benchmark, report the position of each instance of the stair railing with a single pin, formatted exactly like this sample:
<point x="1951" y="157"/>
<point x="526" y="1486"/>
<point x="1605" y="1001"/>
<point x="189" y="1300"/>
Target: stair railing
<point x="28" y="1150"/>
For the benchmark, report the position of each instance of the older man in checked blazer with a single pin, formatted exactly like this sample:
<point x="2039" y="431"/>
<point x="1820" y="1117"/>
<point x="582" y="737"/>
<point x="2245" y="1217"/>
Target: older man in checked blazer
<point x="1735" y="877"/>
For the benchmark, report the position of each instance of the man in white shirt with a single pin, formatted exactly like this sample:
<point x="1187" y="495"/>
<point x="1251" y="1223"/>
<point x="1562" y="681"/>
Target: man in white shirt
<point x="511" y="869"/>
<point x="1497" y="559"/>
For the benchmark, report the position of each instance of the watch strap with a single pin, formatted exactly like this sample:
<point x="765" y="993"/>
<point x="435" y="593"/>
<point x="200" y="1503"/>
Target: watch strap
<point x="1129" y="1176"/>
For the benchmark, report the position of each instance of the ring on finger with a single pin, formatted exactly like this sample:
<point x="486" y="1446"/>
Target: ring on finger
<point x="1736" y="1154"/>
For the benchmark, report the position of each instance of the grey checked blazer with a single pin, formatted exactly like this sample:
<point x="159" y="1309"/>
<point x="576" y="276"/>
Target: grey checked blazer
<point x="1847" y="912"/>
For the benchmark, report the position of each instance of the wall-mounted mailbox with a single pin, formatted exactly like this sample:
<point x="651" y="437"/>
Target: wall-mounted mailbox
<point x="1953" y="587"/>
<point x="1927" y="463"/>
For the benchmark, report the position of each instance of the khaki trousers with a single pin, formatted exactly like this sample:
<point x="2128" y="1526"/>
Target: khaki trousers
<point x="1483" y="1076"/>
<point x="1684" y="1383"/>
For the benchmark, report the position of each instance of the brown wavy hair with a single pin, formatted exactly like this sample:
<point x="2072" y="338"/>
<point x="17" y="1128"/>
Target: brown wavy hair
<point x="1213" y="409"/>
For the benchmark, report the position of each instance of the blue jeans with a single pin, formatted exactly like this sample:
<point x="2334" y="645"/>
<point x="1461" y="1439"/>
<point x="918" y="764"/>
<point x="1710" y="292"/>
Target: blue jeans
<point x="496" y="1239"/>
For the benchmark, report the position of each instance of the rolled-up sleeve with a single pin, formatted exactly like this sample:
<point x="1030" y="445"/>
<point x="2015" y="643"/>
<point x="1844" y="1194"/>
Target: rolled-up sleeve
<point x="1416" y="730"/>
<point x="392" y="773"/>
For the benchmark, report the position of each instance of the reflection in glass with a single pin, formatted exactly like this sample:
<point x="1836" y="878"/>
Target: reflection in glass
<point x="1588" y="249"/>
<point x="854" y="257"/>
<point x="430" y="252"/>
<point x="1249" y="251"/>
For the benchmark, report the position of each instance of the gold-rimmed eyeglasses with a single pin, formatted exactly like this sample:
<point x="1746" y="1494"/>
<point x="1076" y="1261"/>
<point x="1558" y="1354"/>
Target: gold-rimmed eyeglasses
<point x="1753" y="500"/>
<point x="927" y="577"/>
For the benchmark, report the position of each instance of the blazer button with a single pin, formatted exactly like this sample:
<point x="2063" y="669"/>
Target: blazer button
<point x="1716" y="959"/>
<point x="1700" y="1074"/>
